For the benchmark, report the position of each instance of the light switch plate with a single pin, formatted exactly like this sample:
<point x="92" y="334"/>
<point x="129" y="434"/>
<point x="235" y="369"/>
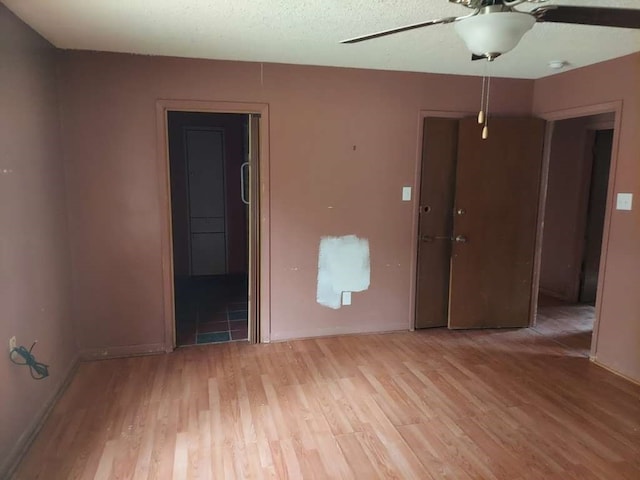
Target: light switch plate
<point x="346" y="298"/>
<point x="624" y="201"/>
<point x="406" y="194"/>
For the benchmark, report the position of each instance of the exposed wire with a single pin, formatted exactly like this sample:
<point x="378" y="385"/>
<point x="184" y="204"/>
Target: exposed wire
<point x="38" y="370"/>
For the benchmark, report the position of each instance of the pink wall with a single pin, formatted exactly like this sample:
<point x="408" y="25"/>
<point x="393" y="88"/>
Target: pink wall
<point x="618" y="345"/>
<point x="34" y="250"/>
<point x="565" y="212"/>
<point x="320" y="185"/>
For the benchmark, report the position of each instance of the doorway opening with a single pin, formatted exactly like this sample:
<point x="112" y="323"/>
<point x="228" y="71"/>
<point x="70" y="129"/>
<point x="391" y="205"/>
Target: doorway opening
<point x="213" y="225"/>
<point x="573" y="224"/>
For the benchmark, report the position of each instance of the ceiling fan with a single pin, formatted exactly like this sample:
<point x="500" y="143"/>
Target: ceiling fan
<point x="495" y="27"/>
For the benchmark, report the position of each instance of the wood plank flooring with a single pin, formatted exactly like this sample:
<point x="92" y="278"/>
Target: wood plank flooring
<point x="568" y="324"/>
<point x="435" y="404"/>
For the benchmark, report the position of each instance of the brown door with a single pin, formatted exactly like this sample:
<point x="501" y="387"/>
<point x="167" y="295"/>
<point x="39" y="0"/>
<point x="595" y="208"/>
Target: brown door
<point x="439" y="145"/>
<point x="496" y="207"/>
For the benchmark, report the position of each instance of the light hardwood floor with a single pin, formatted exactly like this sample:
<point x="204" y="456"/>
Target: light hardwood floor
<point x="568" y="324"/>
<point x="435" y="404"/>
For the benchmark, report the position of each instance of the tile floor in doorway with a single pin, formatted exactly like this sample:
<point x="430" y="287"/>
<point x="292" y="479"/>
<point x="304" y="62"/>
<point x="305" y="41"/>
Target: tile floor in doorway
<point x="211" y="309"/>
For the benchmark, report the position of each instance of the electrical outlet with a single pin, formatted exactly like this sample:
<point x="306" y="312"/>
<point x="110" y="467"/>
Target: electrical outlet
<point x="346" y="298"/>
<point x="12" y="343"/>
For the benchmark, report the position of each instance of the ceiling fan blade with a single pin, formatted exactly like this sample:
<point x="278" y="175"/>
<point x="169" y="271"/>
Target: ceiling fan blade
<point x="400" y="29"/>
<point x="606" y="17"/>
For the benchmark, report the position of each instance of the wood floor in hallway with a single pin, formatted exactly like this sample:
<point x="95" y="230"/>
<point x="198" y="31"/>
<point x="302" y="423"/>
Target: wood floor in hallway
<point x="568" y="324"/>
<point x="435" y="404"/>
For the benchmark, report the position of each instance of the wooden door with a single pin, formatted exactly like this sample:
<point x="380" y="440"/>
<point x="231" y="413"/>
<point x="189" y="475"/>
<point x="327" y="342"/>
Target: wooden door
<point x="439" y="146"/>
<point x="496" y="210"/>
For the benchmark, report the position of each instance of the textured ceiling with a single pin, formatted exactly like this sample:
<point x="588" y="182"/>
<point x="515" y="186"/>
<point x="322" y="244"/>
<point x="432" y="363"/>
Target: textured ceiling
<point x="309" y="32"/>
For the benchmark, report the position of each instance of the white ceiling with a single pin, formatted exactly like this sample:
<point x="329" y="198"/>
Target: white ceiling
<point x="309" y="32"/>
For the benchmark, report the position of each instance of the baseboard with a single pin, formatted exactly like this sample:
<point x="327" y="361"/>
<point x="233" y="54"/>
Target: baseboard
<point x="335" y="331"/>
<point x="553" y="294"/>
<point x="10" y="464"/>
<point x="615" y="372"/>
<point x="103" y="353"/>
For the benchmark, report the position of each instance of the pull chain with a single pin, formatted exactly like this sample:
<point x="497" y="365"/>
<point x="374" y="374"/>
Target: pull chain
<point x="481" y="112"/>
<point x="485" y="129"/>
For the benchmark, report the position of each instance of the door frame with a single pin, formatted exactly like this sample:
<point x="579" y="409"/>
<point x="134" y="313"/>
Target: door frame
<point x="415" y="211"/>
<point x="614" y="107"/>
<point x="164" y="189"/>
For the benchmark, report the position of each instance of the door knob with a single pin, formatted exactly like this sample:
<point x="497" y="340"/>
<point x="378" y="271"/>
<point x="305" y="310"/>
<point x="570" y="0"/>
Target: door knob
<point x="461" y="239"/>
<point x="461" y="211"/>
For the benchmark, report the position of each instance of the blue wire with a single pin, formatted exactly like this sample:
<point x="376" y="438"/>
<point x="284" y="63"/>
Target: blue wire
<point x="38" y="370"/>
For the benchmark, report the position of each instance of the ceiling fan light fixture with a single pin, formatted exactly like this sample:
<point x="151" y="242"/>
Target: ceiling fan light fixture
<point x="494" y="33"/>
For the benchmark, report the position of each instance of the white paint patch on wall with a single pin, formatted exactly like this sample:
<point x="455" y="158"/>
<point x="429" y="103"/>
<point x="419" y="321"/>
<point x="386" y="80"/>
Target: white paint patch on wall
<point x="343" y="266"/>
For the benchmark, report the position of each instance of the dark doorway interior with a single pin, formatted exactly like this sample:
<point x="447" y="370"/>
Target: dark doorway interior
<point x="207" y="152"/>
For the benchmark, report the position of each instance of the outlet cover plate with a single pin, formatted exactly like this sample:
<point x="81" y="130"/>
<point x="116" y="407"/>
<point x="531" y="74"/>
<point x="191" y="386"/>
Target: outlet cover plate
<point x="346" y="298"/>
<point x="12" y="343"/>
